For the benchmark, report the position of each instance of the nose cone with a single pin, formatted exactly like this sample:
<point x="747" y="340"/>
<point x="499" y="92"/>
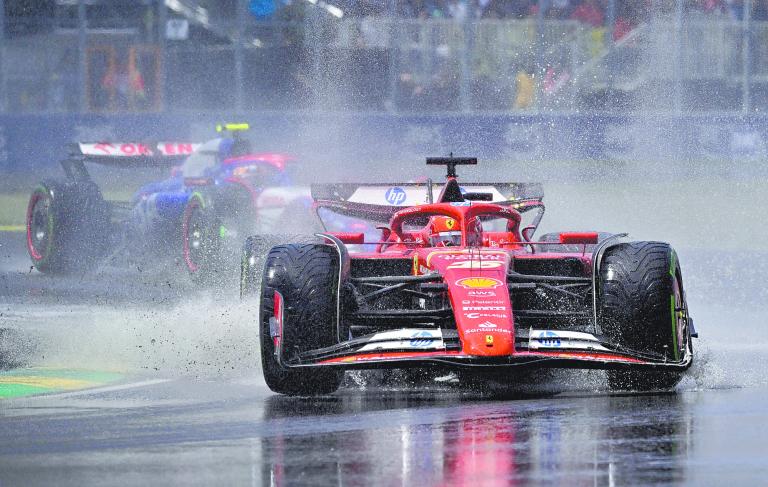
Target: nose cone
<point x="478" y="291"/>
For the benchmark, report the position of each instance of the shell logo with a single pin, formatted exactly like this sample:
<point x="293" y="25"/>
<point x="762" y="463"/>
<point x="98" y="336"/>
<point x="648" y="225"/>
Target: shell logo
<point x="479" y="283"/>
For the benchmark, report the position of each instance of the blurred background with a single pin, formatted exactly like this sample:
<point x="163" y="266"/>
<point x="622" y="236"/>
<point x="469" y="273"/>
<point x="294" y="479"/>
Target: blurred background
<point x="393" y="56"/>
<point x="374" y="80"/>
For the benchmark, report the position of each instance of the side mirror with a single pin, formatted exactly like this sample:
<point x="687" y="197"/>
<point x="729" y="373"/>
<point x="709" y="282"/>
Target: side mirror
<point x="586" y="238"/>
<point x="385" y="232"/>
<point x="349" y="237"/>
<point x="527" y="233"/>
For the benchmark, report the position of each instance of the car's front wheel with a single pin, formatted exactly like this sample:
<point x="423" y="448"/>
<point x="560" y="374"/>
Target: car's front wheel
<point x="642" y="309"/>
<point x="297" y="313"/>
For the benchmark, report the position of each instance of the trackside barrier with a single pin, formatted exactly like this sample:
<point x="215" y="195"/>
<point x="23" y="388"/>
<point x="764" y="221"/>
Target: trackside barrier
<point x="33" y="142"/>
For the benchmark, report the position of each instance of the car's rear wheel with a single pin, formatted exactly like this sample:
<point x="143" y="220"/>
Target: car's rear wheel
<point x="200" y="240"/>
<point x="642" y="309"/>
<point x="297" y="313"/>
<point x="67" y="226"/>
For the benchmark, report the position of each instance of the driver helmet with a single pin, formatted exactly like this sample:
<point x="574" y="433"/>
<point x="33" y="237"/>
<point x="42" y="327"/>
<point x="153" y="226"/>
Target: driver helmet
<point x="234" y="146"/>
<point x="444" y="232"/>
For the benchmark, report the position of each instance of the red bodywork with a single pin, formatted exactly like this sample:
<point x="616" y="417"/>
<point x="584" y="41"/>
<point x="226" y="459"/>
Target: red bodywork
<point x="277" y="160"/>
<point x="479" y="277"/>
<point x="476" y="276"/>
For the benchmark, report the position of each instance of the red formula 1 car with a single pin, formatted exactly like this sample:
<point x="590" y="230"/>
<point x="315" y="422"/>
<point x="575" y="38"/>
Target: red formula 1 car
<point x="461" y="283"/>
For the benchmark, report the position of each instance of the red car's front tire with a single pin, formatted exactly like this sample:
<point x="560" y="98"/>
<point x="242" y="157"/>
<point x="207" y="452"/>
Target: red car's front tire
<point x="298" y="295"/>
<point x="642" y="309"/>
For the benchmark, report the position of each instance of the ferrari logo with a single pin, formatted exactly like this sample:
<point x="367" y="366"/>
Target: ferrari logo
<point x="450" y="223"/>
<point x="488" y="340"/>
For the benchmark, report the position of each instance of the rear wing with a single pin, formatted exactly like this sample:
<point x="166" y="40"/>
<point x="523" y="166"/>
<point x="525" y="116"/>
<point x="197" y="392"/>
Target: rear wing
<point x="124" y="154"/>
<point x="379" y="202"/>
<point x="410" y="194"/>
<point x="133" y="153"/>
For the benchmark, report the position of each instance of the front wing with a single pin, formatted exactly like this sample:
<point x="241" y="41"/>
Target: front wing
<point x="533" y="348"/>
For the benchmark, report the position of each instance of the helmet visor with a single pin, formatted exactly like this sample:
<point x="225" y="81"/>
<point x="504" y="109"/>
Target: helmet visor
<point x="446" y="239"/>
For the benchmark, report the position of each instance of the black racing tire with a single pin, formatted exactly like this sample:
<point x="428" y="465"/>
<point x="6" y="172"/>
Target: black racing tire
<point x="213" y="225"/>
<point x="306" y="275"/>
<point x="254" y="254"/>
<point x="642" y="309"/>
<point x="68" y="226"/>
<point x="201" y="242"/>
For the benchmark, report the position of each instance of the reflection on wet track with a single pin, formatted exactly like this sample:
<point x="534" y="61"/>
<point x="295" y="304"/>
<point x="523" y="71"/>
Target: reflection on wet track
<point x="571" y="441"/>
<point x="234" y="432"/>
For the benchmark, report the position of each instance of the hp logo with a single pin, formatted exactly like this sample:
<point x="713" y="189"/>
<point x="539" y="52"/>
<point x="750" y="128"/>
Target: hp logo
<point x="395" y="196"/>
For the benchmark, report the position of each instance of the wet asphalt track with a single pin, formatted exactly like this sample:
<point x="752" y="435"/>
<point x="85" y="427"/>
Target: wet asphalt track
<point x="191" y="408"/>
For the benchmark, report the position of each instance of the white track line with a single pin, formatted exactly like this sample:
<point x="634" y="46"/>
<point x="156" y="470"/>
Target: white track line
<point x="99" y="390"/>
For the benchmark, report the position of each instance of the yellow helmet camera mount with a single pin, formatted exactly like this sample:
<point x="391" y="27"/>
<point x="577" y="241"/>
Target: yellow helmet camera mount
<point x="232" y="127"/>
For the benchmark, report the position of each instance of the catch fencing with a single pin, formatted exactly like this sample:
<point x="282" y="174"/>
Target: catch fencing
<point x="385" y="64"/>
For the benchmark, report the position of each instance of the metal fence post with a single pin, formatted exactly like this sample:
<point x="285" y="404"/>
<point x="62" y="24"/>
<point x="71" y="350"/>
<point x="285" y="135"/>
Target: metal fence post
<point x="393" y="53"/>
<point x="312" y="36"/>
<point x="466" y="65"/>
<point x="82" y="54"/>
<point x="610" y="21"/>
<point x="539" y="49"/>
<point x="162" y="20"/>
<point x="678" y="56"/>
<point x="746" y="57"/>
<point x="242" y="12"/>
<point x="3" y="91"/>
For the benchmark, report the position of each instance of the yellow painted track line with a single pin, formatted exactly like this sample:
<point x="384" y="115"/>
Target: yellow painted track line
<point x="46" y="382"/>
<point x="41" y="380"/>
<point x="12" y="228"/>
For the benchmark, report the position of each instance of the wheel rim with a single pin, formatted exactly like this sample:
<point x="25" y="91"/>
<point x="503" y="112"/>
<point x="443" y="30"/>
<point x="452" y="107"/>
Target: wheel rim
<point x="194" y="236"/>
<point x="39" y="226"/>
<point x="679" y="317"/>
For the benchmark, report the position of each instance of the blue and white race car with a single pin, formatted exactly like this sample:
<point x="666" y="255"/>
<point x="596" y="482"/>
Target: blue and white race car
<point x="217" y="192"/>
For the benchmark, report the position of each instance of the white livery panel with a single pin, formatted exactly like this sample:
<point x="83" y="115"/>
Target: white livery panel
<point x="411" y="195"/>
<point x="406" y="339"/>
<point x="559" y="339"/>
<point x="133" y="149"/>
